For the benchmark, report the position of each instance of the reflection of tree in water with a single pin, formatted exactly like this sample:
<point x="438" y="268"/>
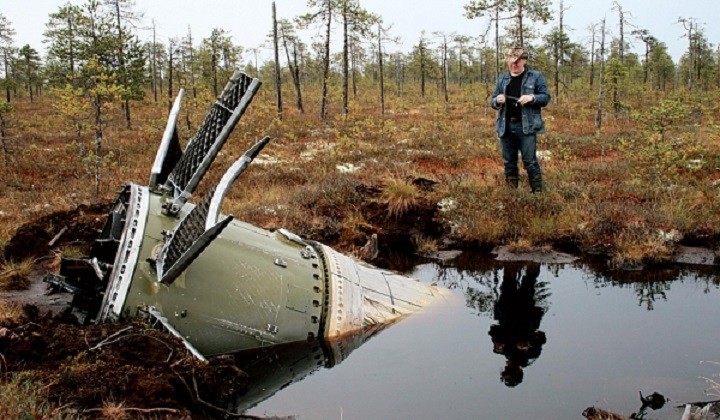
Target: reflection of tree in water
<point x="518" y="310"/>
<point x="478" y="282"/>
<point x="653" y="285"/>
<point x="647" y="293"/>
<point x="483" y="298"/>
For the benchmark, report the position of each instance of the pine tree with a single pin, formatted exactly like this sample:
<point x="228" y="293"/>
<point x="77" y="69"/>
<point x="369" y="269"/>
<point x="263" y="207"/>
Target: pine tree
<point x="7" y="38"/>
<point x="29" y="65"/>
<point x="62" y="35"/>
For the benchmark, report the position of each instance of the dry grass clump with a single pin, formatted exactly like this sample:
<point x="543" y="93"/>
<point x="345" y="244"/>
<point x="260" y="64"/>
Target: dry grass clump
<point x="16" y="275"/>
<point x="9" y="311"/>
<point x="400" y="195"/>
<point x="425" y="245"/>
<point x="114" y="411"/>
<point x="520" y="246"/>
<point x="635" y="251"/>
<point x="21" y="398"/>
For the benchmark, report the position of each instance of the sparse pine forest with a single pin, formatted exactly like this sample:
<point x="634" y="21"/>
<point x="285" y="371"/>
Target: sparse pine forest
<point x="367" y="139"/>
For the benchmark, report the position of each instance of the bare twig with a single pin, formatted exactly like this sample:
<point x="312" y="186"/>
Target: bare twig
<point x="166" y="345"/>
<point x="111" y="339"/>
<point x="55" y="239"/>
<point x="195" y="394"/>
<point x="114" y="338"/>
<point x="4" y="363"/>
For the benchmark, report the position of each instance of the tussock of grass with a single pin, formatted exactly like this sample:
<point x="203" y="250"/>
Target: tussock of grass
<point x="16" y="275"/>
<point x="72" y="252"/>
<point x="425" y="245"/>
<point x="520" y="246"/>
<point x="637" y="251"/>
<point x="20" y="398"/>
<point x="9" y="311"/>
<point x="114" y="411"/>
<point x="399" y="195"/>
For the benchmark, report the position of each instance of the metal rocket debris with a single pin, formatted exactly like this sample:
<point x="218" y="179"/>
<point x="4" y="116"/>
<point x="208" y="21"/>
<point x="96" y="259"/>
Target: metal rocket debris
<point x="220" y="284"/>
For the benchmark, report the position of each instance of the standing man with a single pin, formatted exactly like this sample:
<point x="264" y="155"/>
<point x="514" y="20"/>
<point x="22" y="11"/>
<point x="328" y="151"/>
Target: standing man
<point x="518" y="97"/>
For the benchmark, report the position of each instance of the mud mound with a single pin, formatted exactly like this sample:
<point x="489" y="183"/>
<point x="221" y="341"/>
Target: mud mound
<point x="129" y="364"/>
<point x="80" y="226"/>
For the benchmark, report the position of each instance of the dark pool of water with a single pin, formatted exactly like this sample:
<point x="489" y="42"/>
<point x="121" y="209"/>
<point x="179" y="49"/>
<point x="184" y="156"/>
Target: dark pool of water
<point x="523" y="341"/>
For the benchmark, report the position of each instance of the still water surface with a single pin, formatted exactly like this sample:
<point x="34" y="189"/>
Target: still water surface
<point x="521" y="341"/>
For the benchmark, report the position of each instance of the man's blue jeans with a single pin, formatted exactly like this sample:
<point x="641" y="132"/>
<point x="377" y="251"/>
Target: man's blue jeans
<point x="514" y="142"/>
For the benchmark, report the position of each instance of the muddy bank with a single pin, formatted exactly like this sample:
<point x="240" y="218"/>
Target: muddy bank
<point x="86" y="368"/>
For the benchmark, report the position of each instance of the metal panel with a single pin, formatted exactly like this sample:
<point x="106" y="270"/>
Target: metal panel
<point x="361" y="296"/>
<point x="127" y="257"/>
<point x="169" y="152"/>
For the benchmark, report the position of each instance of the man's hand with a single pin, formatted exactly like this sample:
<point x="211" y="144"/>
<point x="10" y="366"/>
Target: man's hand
<point x="526" y="99"/>
<point x="500" y="99"/>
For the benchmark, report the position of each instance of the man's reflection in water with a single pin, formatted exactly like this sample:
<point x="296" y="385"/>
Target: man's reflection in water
<point x="517" y="335"/>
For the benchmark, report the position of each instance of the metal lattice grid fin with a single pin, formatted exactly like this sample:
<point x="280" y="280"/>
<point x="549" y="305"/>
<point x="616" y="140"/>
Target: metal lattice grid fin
<point x="210" y="138"/>
<point x="188" y="241"/>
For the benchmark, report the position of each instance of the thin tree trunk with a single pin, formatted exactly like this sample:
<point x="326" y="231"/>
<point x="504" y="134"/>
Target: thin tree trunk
<point x="170" y="76"/>
<point x="98" y="143"/>
<point x="7" y="73"/>
<point x="326" y="64"/>
<point x="601" y="93"/>
<point x="71" y="56"/>
<point x="353" y="70"/>
<point x="154" y="65"/>
<point x="345" y="61"/>
<point x="497" y="40"/>
<point x="295" y="73"/>
<point x="121" y="59"/>
<point x="278" y="79"/>
<point x="422" y="69"/>
<point x="380" y="69"/>
<point x="520" y="23"/>
<point x="445" y="73"/>
<point x="192" y="63"/>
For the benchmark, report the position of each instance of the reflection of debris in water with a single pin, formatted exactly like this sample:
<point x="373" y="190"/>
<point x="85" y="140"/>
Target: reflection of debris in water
<point x="273" y="368"/>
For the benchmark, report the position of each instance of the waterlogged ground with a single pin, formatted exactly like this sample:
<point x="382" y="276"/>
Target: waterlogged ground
<point x="518" y="341"/>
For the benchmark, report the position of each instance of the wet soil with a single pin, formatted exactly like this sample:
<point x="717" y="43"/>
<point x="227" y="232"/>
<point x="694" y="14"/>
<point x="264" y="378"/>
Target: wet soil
<point x="88" y="367"/>
<point x="79" y="227"/>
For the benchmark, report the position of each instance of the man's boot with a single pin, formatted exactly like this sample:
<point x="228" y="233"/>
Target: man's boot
<point x="536" y="183"/>
<point x="512" y="181"/>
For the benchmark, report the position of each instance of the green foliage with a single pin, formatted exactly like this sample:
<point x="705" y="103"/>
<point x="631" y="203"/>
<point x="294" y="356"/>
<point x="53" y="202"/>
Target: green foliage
<point x="658" y="153"/>
<point x="72" y="107"/>
<point x="668" y="113"/>
<point x="62" y="32"/>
